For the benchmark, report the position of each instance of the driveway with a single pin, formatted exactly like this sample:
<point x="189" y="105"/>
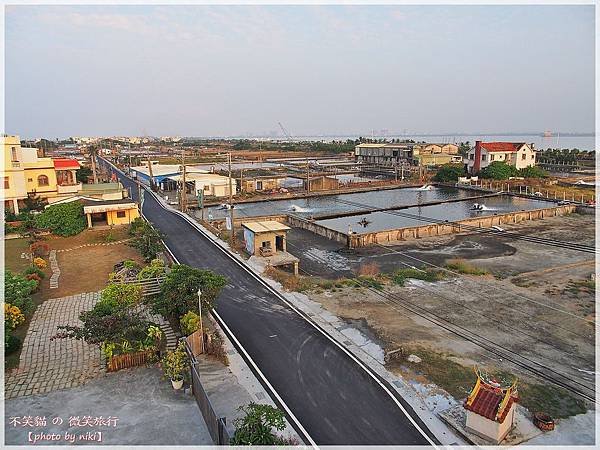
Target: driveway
<point x="137" y="408"/>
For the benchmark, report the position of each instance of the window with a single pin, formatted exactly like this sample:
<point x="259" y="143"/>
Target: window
<point x="471" y="156"/>
<point x="13" y="151"/>
<point x="523" y="156"/>
<point x="121" y="214"/>
<point x="491" y="157"/>
<point x="206" y="187"/>
<point x="483" y="157"/>
<point x="43" y="180"/>
<point x="6" y="183"/>
<point x="29" y="180"/>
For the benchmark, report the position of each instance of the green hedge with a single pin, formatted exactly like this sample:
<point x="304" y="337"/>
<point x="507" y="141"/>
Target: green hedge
<point x="64" y="220"/>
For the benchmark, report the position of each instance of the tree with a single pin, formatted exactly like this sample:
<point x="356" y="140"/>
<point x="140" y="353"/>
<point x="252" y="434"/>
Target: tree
<point x="179" y="292"/>
<point x="257" y="425"/>
<point x="66" y="219"/>
<point x="533" y="172"/>
<point x="83" y="174"/>
<point x="146" y="239"/>
<point x="499" y="170"/>
<point x="464" y="148"/>
<point x="449" y="172"/>
<point x="92" y="151"/>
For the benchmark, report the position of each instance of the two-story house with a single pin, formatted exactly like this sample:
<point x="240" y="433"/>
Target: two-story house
<point x="517" y="154"/>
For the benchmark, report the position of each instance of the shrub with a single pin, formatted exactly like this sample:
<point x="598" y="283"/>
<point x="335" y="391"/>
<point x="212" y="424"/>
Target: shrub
<point x="119" y="296"/>
<point x="17" y="291"/>
<point x="40" y="263"/>
<point x="66" y="219"/>
<point x="179" y="292"/>
<point x="368" y="269"/>
<point x="175" y="362"/>
<point x="11" y="343"/>
<point x="190" y="323"/>
<point x="154" y="270"/>
<point x="34" y="270"/>
<point x="257" y="425"/>
<point x="400" y="276"/>
<point x="368" y="282"/>
<point x="462" y="266"/>
<point x="533" y="172"/>
<point x="449" y="173"/>
<point x="13" y="317"/>
<point x="39" y="248"/>
<point x="499" y="170"/>
<point x="35" y="277"/>
<point x="146" y="239"/>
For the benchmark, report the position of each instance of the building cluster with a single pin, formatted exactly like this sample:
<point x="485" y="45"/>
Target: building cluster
<point x="27" y="175"/>
<point x="407" y="153"/>
<point x="199" y="182"/>
<point x="517" y="154"/>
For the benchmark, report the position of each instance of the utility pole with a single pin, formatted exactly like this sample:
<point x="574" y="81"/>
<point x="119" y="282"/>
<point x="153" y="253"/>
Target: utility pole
<point x="231" y="204"/>
<point x="150" y="172"/>
<point x="183" y="185"/>
<point x="241" y="179"/>
<point x="307" y="175"/>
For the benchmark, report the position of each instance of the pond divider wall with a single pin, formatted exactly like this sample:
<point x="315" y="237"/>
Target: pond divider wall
<point x="421" y="231"/>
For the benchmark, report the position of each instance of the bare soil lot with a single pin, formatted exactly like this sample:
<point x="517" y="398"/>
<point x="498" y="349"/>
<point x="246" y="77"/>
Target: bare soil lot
<point x="537" y="302"/>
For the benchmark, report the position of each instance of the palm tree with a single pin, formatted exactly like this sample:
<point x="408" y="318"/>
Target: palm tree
<point x="92" y="151"/>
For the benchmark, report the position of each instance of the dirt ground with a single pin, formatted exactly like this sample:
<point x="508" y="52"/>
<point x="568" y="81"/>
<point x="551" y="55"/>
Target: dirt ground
<point x="537" y="302"/>
<point x="86" y="269"/>
<point x="83" y="269"/>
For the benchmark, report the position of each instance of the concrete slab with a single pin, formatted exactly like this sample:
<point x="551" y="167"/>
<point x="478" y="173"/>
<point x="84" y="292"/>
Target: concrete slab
<point x="523" y="431"/>
<point x="147" y="409"/>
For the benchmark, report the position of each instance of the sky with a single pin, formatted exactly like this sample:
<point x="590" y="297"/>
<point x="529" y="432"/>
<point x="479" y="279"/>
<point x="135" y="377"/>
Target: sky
<point x="237" y="70"/>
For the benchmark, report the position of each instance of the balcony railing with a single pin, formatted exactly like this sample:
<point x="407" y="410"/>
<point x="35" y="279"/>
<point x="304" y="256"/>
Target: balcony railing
<point x="69" y="188"/>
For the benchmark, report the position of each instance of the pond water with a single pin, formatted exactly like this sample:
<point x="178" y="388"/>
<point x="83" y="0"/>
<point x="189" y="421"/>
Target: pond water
<point x="332" y="204"/>
<point x="379" y="221"/>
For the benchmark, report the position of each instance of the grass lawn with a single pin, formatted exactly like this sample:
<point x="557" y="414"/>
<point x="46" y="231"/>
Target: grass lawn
<point x="13" y="248"/>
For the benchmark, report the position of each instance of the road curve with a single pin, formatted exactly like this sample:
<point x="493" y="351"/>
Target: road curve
<point x="336" y="400"/>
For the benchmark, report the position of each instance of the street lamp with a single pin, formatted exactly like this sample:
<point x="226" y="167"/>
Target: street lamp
<point x="200" y="313"/>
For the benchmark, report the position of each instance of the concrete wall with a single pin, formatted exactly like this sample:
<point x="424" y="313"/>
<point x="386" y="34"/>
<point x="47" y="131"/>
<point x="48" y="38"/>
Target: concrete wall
<point x="334" y="235"/>
<point x="402" y="234"/>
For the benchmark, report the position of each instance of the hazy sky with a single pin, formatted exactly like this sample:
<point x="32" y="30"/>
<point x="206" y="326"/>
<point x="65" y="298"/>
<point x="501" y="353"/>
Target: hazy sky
<point x="230" y="70"/>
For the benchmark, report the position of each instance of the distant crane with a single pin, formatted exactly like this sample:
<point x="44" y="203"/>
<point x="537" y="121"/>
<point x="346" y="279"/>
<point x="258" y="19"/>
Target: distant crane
<point x="285" y="132"/>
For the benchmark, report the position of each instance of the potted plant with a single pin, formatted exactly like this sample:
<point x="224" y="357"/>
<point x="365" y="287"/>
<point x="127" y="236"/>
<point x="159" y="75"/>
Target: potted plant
<point x="173" y="365"/>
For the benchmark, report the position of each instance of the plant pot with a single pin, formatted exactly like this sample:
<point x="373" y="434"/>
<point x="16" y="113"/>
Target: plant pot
<point x="177" y="384"/>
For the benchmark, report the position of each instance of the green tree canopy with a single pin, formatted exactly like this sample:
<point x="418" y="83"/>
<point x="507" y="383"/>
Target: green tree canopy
<point x="17" y="291"/>
<point x="179" y="291"/>
<point x="146" y="239"/>
<point x="449" y="172"/>
<point x="533" y="172"/>
<point x="499" y="170"/>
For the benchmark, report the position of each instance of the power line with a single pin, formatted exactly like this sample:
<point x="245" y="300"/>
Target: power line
<point x="480" y="341"/>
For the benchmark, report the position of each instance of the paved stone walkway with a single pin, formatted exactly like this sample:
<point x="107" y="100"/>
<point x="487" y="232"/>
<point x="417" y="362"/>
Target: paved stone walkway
<point x="55" y="270"/>
<point x="47" y="365"/>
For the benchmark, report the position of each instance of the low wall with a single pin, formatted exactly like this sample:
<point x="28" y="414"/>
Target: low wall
<point x="334" y="235"/>
<point x="402" y="234"/>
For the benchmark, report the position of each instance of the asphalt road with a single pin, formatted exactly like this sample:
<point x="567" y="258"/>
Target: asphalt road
<point x="337" y="401"/>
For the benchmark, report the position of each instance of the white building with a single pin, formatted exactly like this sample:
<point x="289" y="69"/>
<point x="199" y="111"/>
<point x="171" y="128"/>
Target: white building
<point x="516" y="154"/>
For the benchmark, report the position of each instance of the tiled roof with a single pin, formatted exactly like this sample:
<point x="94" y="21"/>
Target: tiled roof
<point x="487" y="401"/>
<point x="65" y="163"/>
<point x="501" y="146"/>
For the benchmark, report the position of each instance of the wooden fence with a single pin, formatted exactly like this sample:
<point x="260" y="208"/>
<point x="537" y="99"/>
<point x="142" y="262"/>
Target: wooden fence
<point x="118" y="362"/>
